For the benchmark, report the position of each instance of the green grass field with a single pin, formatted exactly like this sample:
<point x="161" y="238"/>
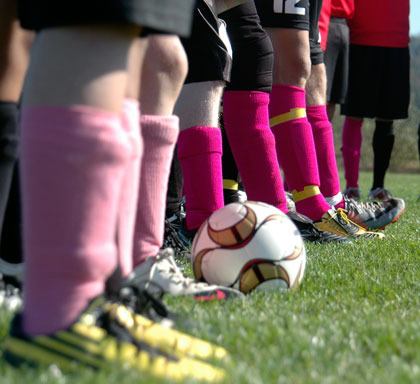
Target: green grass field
<point x="355" y="319"/>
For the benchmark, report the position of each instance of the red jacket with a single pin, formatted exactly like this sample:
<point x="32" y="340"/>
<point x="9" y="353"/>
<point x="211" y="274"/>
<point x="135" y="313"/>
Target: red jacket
<point x="381" y="23"/>
<point x="324" y="22"/>
<point x="342" y="8"/>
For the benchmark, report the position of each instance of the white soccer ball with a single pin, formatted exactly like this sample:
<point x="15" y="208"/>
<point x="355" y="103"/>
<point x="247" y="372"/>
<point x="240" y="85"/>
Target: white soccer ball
<point x="247" y="246"/>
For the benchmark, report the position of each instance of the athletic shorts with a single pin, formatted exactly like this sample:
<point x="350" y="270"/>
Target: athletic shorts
<point x="336" y="59"/>
<point x="294" y="14"/>
<point x="379" y="83"/>
<point x="252" y="67"/>
<point x="208" y="56"/>
<point x="172" y="16"/>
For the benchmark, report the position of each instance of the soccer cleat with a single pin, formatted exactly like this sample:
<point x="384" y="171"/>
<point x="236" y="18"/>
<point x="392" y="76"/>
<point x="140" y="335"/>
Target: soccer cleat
<point x="96" y="340"/>
<point x="352" y="193"/>
<point x="177" y="236"/>
<point x="291" y="206"/>
<point x="234" y="196"/>
<point x="10" y="294"/>
<point x="376" y="214"/>
<point x="308" y="231"/>
<point x="160" y="274"/>
<point x="379" y="194"/>
<point x="145" y="307"/>
<point x="163" y="337"/>
<point x="10" y="285"/>
<point x="145" y="304"/>
<point x="337" y="223"/>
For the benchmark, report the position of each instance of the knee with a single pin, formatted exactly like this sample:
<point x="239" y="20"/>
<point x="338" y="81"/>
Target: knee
<point x="292" y="61"/>
<point x="167" y="59"/>
<point x="296" y="71"/>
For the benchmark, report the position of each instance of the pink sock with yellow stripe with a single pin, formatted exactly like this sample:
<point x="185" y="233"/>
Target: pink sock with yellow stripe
<point x="296" y="149"/>
<point x="325" y="150"/>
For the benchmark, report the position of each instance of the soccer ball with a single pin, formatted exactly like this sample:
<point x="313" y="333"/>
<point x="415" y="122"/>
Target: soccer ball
<point x="248" y="246"/>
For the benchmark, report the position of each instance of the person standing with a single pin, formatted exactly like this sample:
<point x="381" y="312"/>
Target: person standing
<point x="379" y="86"/>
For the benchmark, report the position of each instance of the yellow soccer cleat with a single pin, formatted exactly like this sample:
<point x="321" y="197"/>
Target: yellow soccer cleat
<point x="337" y="223"/>
<point x="164" y="338"/>
<point x="96" y="340"/>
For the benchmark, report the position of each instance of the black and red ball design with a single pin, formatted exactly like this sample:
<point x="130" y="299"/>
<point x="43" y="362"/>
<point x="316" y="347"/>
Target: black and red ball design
<point x="249" y="246"/>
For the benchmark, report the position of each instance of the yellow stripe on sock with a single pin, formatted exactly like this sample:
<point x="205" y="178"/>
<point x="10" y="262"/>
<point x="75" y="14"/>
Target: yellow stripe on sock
<point x="308" y="191"/>
<point x="230" y="184"/>
<point x="294" y="113"/>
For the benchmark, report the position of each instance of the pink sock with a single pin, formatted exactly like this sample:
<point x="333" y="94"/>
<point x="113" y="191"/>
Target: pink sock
<point x="296" y="149"/>
<point x="351" y="146"/>
<point x="325" y="150"/>
<point x="200" y="155"/>
<point x="159" y="135"/>
<point x="130" y="189"/>
<point x="73" y="163"/>
<point x="248" y="129"/>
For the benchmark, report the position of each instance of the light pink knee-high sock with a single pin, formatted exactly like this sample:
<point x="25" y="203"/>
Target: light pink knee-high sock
<point x="351" y="148"/>
<point x="159" y="134"/>
<point x="73" y="162"/>
<point x="247" y="127"/>
<point x="296" y="149"/>
<point x="130" y="189"/>
<point x="325" y="151"/>
<point x="200" y="155"/>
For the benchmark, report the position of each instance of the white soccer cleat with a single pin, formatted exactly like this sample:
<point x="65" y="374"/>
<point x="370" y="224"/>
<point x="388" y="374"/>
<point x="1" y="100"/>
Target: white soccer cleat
<point x="160" y="274"/>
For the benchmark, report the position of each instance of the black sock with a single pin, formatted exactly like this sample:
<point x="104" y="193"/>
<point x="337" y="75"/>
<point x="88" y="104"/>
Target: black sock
<point x="229" y="168"/>
<point x="8" y="158"/>
<point x="174" y="194"/>
<point x="418" y="140"/>
<point x="382" y="144"/>
<point x="11" y="236"/>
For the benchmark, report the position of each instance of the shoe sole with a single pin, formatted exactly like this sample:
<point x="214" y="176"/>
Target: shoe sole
<point x="394" y="220"/>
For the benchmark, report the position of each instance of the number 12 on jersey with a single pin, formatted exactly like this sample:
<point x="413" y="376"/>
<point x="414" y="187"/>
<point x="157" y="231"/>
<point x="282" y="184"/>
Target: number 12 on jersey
<point x="289" y="7"/>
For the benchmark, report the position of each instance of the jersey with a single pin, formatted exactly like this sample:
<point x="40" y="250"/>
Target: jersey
<point x="342" y="8"/>
<point x="381" y="23"/>
<point x="324" y="22"/>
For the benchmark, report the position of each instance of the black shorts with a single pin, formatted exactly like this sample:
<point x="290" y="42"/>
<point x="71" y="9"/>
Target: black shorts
<point x="252" y="67"/>
<point x="172" y="16"/>
<point x="337" y="60"/>
<point x="379" y="83"/>
<point x="294" y="14"/>
<point x="208" y="57"/>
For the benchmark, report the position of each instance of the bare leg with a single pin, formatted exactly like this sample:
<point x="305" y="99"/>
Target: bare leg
<point x="163" y="74"/>
<point x="199" y="104"/>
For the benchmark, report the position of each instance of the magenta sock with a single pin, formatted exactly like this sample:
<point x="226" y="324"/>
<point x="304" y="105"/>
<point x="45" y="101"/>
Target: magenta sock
<point x="351" y="147"/>
<point x="325" y="150"/>
<point x="159" y="135"/>
<point x="247" y="127"/>
<point x="200" y="155"/>
<point x="130" y="189"/>
<point x="296" y="148"/>
<point x="73" y="163"/>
